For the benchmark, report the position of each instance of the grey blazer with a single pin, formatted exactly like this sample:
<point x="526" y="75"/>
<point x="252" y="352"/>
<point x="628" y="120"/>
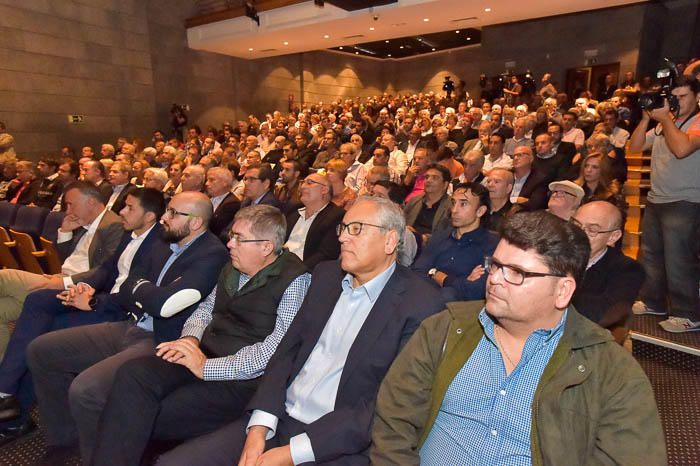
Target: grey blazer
<point x="442" y="216"/>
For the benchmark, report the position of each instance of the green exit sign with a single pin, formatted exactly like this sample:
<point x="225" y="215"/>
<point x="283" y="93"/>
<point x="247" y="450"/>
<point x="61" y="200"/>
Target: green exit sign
<point x="75" y="119"/>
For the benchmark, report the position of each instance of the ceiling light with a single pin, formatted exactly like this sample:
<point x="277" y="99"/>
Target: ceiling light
<point x="386" y="41"/>
<point x="433" y="49"/>
<point x="285" y="42"/>
<point x="469" y="38"/>
<point x="340" y="48"/>
<point x="326" y="36"/>
<point x="401" y="47"/>
<point x="371" y="28"/>
<point x="426" y="19"/>
<point x="389" y="55"/>
<point x="457" y="32"/>
<point x="487" y="10"/>
<point x="357" y="53"/>
<point x="250" y="49"/>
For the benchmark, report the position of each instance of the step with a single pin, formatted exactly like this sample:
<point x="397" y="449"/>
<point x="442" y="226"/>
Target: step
<point x="646" y="328"/>
<point x="638" y="170"/>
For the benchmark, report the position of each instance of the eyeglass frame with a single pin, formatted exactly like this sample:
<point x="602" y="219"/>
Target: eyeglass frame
<point x="310" y="181"/>
<point x="235" y="238"/>
<point x="341" y="227"/>
<point x="553" y="193"/>
<point x="586" y="229"/>
<point x="489" y="261"/>
<point x="172" y="212"/>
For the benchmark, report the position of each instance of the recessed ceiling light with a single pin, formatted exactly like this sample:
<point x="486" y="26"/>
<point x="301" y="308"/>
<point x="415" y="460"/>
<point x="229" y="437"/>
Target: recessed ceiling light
<point x="487" y="10"/>
<point x="326" y="36"/>
<point x="401" y="47"/>
<point x="357" y="53"/>
<point x="340" y="48"/>
<point x="250" y="49"/>
<point x="389" y="55"/>
<point x="469" y="38"/>
<point x="371" y="28"/>
<point x="457" y="32"/>
<point x="433" y="49"/>
<point x="285" y="42"/>
<point x="426" y="19"/>
<point x="386" y="41"/>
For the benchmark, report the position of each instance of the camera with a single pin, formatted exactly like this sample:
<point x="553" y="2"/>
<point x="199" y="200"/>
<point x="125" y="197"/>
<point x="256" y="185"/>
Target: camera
<point x="655" y="99"/>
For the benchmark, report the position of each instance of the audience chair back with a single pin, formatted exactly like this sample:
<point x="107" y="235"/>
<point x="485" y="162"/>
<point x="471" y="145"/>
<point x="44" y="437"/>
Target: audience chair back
<point x="7" y="213"/>
<point x="51" y="224"/>
<point x="30" y="220"/>
<point x="7" y="258"/>
<point x="24" y="248"/>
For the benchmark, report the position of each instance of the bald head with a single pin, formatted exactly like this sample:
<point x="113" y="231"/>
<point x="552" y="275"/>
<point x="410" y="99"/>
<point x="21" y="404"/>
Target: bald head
<point x="193" y="178"/>
<point x="602" y="222"/>
<point x="607" y="215"/>
<point x="198" y="204"/>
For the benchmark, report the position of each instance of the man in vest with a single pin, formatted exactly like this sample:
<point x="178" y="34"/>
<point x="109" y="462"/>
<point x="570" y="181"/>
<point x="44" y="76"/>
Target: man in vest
<point x="203" y="380"/>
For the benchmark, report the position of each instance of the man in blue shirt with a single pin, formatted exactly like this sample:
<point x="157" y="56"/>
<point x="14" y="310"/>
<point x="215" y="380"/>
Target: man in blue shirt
<point x="454" y="253"/>
<point x="524" y="379"/>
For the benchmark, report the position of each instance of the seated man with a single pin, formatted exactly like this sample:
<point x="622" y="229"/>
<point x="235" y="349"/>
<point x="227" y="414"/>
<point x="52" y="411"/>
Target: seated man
<point x="524" y="379"/>
<point x="564" y="199"/>
<point x="43" y="312"/>
<point x="529" y="186"/>
<point x="88" y="236"/>
<point x="160" y="299"/>
<point x="429" y="212"/>
<point x="202" y="381"/>
<point x="259" y="183"/>
<point x="311" y="230"/>
<point x="613" y="280"/>
<point x="224" y="202"/>
<point x="316" y="401"/>
<point x="453" y="253"/>
<point x="499" y="185"/>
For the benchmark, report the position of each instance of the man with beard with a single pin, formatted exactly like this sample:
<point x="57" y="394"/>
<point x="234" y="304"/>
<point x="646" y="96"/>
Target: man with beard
<point x="158" y="300"/>
<point x="43" y="312"/>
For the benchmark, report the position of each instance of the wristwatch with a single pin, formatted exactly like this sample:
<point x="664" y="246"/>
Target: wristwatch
<point x="432" y="272"/>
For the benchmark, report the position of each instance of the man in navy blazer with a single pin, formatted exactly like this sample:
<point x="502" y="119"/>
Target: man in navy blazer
<point x="160" y="298"/>
<point x="43" y="311"/>
<point x="316" y="401"/>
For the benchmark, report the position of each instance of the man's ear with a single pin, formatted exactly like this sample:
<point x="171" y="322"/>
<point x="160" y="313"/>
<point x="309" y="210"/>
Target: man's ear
<point x="614" y="237"/>
<point x="564" y="291"/>
<point x="481" y="211"/>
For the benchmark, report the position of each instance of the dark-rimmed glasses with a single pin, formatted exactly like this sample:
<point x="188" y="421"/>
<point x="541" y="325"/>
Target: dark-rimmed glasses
<point x="591" y="230"/>
<point x="354" y="228"/>
<point x="236" y="238"/>
<point x="511" y="274"/>
<point x="173" y="212"/>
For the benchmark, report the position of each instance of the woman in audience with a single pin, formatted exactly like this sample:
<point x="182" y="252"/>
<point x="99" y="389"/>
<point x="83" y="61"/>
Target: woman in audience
<point x="343" y="196"/>
<point x="595" y="177"/>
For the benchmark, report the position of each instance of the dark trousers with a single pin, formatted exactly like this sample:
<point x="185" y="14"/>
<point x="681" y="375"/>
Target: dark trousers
<point x="224" y="447"/>
<point x="152" y="398"/>
<point x="73" y="371"/>
<point x="669" y="254"/>
<point x="41" y="313"/>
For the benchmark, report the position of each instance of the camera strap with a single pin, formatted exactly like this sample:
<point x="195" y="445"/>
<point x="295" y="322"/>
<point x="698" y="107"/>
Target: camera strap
<point x="660" y="131"/>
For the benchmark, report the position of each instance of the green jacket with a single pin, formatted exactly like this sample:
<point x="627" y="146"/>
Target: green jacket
<point x="593" y="405"/>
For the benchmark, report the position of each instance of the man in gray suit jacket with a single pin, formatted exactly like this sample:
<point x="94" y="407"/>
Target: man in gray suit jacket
<point x="87" y="237"/>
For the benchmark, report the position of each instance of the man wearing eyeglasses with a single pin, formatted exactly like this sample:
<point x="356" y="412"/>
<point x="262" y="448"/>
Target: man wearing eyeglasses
<point x="311" y="229"/>
<point x="74" y="369"/>
<point x="564" y="199"/>
<point x="613" y="280"/>
<point x="203" y="380"/>
<point x="259" y="181"/>
<point x="522" y="378"/>
<point x="317" y="399"/>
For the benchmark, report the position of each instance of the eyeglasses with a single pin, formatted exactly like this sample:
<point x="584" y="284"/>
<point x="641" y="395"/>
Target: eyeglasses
<point x="309" y="181"/>
<point x="562" y="194"/>
<point x="236" y="238"/>
<point x="354" y="228"/>
<point x="251" y="178"/>
<point x="512" y="274"/>
<point x="172" y="213"/>
<point x="591" y="230"/>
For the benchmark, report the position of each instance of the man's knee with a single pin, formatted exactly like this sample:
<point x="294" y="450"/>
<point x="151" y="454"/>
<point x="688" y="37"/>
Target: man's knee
<point x="86" y="393"/>
<point x="38" y="351"/>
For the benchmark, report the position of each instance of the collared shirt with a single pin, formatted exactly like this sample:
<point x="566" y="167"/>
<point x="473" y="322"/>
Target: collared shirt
<point x="250" y="361"/>
<point x="411" y="149"/>
<point x="146" y="321"/>
<point x="504" y="161"/>
<point x="297" y="238"/>
<point x="79" y="260"/>
<point x="116" y="191"/>
<point x="312" y="393"/>
<point x="127" y="257"/>
<point x="518" y="184"/>
<point x="217" y="200"/>
<point x="594" y="260"/>
<point x="619" y="137"/>
<point x="257" y="201"/>
<point x="574" y="135"/>
<point x="398" y="162"/>
<point x="486" y="415"/>
<point x="355" y="178"/>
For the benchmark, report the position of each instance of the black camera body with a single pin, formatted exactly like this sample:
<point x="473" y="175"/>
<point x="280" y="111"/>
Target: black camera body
<point x="655" y="99"/>
<point x="448" y="85"/>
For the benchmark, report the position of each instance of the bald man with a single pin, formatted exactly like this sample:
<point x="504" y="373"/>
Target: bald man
<point x="82" y="362"/>
<point x="225" y="204"/>
<point x="193" y="177"/>
<point x="612" y="280"/>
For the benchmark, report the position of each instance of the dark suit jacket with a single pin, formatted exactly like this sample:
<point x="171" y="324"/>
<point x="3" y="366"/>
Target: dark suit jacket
<point x="321" y="240"/>
<point x="609" y="289"/>
<point x="403" y="304"/>
<point x="28" y="196"/>
<point x="106" y="190"/>
<point x="535" y="189"/>
<point x="223" y="215"/>
<point x="268" y="199"/>
<point x="194" y="272"/>
<point x="104" y="243"/>
<point x="120" y="202"/>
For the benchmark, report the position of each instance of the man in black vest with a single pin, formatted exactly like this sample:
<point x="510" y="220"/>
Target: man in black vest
<point x="202" y="381"/>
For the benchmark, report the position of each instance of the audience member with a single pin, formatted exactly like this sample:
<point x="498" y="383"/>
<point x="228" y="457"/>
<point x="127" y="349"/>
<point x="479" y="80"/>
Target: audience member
<point x="429" y="212"/>
<point x="336" y="172"/>
<point x="565" y="197"/>
<point x="224" y="203"/>
<point x="499" y="185"/>
<point x="497" y="158"/>
<point x="529" y="186"/>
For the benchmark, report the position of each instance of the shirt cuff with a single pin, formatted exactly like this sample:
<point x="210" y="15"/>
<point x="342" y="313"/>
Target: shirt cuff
<point x="63" y="236"/>
<point x="67" y="281"/>
<point x="265" y="419"/>
<point x="300" y="448"/>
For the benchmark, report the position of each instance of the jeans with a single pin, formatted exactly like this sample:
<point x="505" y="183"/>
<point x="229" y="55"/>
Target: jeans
<point x="669" y="254"/>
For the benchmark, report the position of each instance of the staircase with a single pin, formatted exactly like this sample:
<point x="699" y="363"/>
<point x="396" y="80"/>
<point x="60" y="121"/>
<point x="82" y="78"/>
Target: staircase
<point x="671" y="361"/>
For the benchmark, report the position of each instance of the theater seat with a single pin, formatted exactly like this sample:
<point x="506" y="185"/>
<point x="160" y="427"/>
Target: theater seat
<point x="51" y="259"/>
<point x="30" y="220"/>
<point x="7" y="213"/>
<point x="23" y="243"/>
<point x="7" y="258"/>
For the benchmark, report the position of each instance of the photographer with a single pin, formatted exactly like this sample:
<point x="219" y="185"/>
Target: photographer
<point x="670" y="246"/>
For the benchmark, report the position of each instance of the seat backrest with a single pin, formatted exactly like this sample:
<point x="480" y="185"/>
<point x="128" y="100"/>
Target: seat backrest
<point x="51" y="258"/>
<point x="7" y="258"/>
<point x="24" y="249"/>
<point x="7" y="213"/>
<point x="30" y="220"/>
<point x="51" y="224"/>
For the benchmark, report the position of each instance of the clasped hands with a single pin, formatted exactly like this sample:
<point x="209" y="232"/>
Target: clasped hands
<point x="254" y="453"/>
<point x="78" y="296"/>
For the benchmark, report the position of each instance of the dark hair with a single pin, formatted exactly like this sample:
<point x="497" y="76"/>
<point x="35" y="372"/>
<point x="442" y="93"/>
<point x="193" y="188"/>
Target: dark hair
<point x="444" y="153"/>
<point x="87" y="189"/>
<point x="446" y="175"/>
<point x="572" y="114"/>
<point x="385" y="149"/>
<point x="196" y="129"/>
<point x="296" y="165"/>
<point x="397" y="193"/>
<point x="563" y="246"/>
<point x="611" y="112"/>
<point x="689" y="81"/>
<point x="51" y="162"/>
<point x="74" y="167"/>
<point x="264" y="172"/>
<point x="151" y="200"/>
<point x="234" y="167"/>
<point x="100" y="166"/>
<point x="499" y="136"/>
<point x="478" y="190"/>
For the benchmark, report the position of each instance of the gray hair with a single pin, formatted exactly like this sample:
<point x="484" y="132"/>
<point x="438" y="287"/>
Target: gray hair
<point x="389" y="216"/>
<point x="266" y="222"/>
<point x="159" y="174"/>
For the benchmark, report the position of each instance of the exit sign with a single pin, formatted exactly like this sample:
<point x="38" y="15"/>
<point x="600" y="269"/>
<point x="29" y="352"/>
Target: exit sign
<point x="75" y="119"/>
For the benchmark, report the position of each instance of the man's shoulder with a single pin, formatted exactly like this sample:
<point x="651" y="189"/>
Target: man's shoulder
<point x="109" y="219"/>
